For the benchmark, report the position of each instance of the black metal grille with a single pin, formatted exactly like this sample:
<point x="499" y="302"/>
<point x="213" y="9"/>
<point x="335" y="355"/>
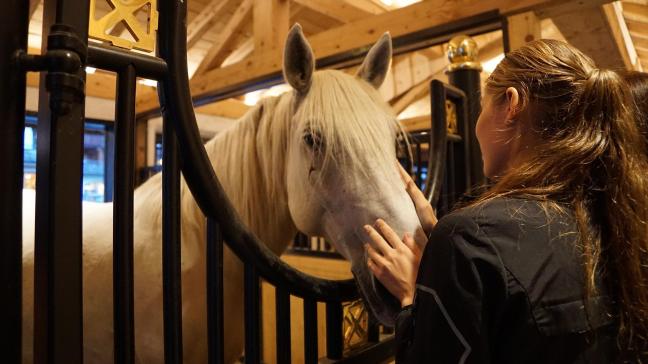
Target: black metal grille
<point x="58" y="288"/>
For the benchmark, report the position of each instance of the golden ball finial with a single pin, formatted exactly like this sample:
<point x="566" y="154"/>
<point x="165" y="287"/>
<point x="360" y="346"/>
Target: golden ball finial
<point x="462" y="53"/>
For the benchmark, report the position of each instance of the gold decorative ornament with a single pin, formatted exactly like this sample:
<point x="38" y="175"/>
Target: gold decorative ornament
<point x="462" y="53"/>
<point x="355" y="324"/>
<point x="451" y="117"/>
<point x="124" y="11"/>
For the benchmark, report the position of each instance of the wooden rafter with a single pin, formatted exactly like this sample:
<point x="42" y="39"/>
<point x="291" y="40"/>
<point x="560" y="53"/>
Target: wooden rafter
<point x="343" y="11"/>
<point x="216" y="54"/>
<point x="523" y="28"/>
<point x="230" y="108"/>
<point x="601" y="33"/>
<point x="207" y="17"/>
<point x="365" y="31"/>
<point x="33" y="4"/>
<point x="271" y="19"/>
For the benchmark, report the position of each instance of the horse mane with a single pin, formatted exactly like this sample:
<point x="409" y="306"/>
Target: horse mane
<point x="250" y="157"/>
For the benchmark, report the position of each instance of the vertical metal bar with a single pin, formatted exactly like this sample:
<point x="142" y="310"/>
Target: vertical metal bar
<point x="310" y="331"/>
<point x="282" y="302"/>
<point x="58" y="316"/>
<point x="469" y="81"/>
<point x="334" y="341"/>
<point x="252" y="316"/>
<point x="373" y="330"/>
<point x="124" y="182"/>
<point x="215" y="318"/>
<point x="171" y="274"/>
<point x="13" y="33"/>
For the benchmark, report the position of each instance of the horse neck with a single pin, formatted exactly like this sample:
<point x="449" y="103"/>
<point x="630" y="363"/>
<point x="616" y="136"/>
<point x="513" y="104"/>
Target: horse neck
<point x="249" y="160"/>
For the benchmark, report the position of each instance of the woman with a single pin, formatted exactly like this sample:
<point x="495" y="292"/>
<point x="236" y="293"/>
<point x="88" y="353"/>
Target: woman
<point x="550" y="265"/>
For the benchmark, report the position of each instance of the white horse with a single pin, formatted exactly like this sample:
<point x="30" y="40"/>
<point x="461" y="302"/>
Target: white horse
<point x="319" y="159"/>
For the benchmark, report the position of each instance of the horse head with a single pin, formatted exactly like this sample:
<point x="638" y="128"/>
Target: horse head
<point x="341" y="162"/>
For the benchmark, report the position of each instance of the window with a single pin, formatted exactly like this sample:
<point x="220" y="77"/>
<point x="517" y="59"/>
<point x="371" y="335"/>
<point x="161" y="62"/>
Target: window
<point x="96" y="161"/>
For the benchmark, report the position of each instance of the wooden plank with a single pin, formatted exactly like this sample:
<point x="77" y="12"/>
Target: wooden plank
<point x="216" y="55"/>
<point x="270" y="24"/>
<point x="200" y="24"/>
<point x="365" y="31"/>
<point x="522" y="29"/>
<point x="230" y="108"/>
<point x="343" y="11"/>
<point x="601" y="33"/>
<point x="412" y="95"/>
<point x="416" y="123"/>
<point x="635" y="13"/>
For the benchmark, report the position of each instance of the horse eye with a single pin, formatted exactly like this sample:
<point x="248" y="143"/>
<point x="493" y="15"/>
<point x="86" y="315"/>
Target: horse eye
<point x="312" y="140"/>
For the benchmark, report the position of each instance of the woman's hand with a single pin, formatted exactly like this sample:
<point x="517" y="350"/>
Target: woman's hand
<point x="393" y="261"/>
<point x="423" y="208"/>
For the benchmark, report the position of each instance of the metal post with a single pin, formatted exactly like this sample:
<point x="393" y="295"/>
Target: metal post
<point x="464" y="73"/>
<point x="13" y="33"/>
<point x="215" y="315"/>
<point x="252" y="291"/>
<point x="58" y="316"/>
<point x="282" y="337"/>
<point x="124" y="184"/>
<point x="171" y="273"/>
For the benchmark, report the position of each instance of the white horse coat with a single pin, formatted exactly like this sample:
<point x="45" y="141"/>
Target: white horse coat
<point x="320" y="159"/>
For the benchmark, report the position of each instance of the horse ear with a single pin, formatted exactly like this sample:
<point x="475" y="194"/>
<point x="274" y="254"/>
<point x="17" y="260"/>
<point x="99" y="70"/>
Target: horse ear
<point x="376" y="64"/>
<point x="299" y="62"/>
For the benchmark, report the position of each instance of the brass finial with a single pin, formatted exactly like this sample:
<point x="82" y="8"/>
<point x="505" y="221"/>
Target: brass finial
<point x="462" y="53"/>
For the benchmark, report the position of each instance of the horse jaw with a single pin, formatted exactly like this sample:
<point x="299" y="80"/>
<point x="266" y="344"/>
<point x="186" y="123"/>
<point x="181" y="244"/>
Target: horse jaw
<point x="343" y="222"/>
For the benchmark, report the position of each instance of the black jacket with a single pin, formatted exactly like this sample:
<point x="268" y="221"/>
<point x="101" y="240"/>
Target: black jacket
<point x="502" y="282"/>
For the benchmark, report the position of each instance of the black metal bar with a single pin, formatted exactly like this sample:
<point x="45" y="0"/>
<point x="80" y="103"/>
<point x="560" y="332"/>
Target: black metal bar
<point x="115" y="59"/>
<point x="13" y="30"/>
<point x="201" y="179"/>
<point x="438" y="142"/>
<point x="419" y="163"/>
<point x="469" y="81"/>
<point x="334" y="340"/>
<point x="310" y="331"/>
<point x="215" y="318"/>
<point x="58" y="316"/>
<point x="171" y="274"/>
<point x="283" y="344"/>
<point x="124" y="184"/>
<point x="373" y="329"/>
<point x="252" y="316"/>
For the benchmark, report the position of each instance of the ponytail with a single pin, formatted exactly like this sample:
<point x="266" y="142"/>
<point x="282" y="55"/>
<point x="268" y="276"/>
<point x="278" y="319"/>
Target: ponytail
<point x="593" y="158"/>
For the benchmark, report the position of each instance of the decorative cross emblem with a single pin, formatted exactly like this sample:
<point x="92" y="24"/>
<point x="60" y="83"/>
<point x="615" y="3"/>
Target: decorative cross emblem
<point x="355" y="324"/>
<point x="124" y="11"/>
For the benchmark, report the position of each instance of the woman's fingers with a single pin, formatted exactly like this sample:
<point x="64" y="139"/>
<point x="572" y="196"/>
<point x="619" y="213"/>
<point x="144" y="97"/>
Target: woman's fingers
<point x="405" y="176"/>
<point x="374" y="257"/>
<point x="378" y="242"/>
<point x="389" y="234"/>
<point x="423" y="208"/>
<point x="409" y="242"/>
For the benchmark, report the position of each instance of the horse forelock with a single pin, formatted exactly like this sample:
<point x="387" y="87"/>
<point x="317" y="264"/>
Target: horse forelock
<point x="358" y="128"/>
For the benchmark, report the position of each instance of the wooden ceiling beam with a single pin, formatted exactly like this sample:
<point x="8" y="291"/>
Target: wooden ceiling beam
<point x="271" y="20"/>
<point x="601" y="33"/>
<point x="216" y="54"/>
<point x="522" y="29"/>
<point x="230" y="108"/>
<point x="365" y="31"/>
<point x="342" y="11"/>
<point x="205" y="20"/>
<point x="33" y="4"/>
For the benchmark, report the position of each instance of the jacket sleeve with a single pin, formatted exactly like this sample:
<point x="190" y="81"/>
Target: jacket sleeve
<point x="461" y="283"/>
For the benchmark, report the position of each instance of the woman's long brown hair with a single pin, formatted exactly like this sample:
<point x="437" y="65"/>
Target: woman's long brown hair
<point x="591" y="157"/>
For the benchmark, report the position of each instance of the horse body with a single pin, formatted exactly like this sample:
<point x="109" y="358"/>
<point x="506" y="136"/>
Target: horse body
<point x="278" y="181"/>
